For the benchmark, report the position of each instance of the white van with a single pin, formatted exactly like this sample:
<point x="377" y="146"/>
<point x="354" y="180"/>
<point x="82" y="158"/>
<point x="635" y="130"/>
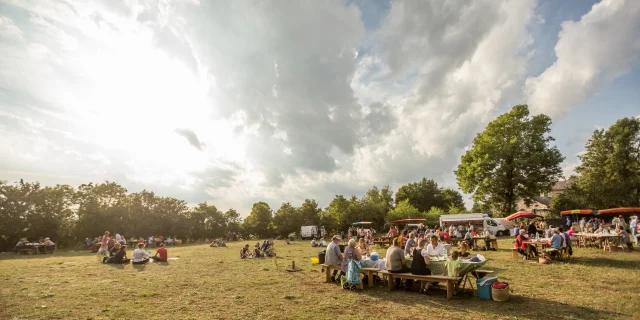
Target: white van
<point x="310" y="232"/>
<point x="495" y="226"/>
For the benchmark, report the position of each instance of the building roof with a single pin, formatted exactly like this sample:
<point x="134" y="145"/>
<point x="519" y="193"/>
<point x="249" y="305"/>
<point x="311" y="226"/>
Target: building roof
<point x="543" y="200"/>
<point x="563" y="185"/>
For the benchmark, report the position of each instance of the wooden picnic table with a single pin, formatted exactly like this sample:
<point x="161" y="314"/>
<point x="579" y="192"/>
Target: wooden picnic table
<point x="536" y="243"/>
<point x="605" y="239"/>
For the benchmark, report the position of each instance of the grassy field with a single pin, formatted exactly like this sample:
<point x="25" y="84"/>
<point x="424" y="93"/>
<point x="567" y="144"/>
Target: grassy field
<point x="213" y="283"/>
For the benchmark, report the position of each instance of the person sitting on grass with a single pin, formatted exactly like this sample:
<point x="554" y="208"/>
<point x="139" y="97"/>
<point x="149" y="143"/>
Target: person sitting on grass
<point x="452" y="269"/>
<point x="322" y="243"/>
<point x="244" y="252"/>
<point x="139" y="255"/>
<point x="119" y="258"/>
<point x="256" y="251"/>
<point x="161" y="254"/>
<point x="223" y="244"/>
<point x="314" y="243"/>
<point x="115" y="249"/>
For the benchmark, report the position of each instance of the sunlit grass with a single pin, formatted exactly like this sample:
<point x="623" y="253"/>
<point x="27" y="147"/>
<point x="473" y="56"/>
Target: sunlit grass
<point x="213" y="283"/>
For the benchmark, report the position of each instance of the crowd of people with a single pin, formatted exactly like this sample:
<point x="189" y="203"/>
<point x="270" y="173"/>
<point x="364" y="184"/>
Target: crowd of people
<point x="266" y="249"/>
<point x="446" y="233"/>
<point x="395" y="261"/>
<point x="114" y="250"/>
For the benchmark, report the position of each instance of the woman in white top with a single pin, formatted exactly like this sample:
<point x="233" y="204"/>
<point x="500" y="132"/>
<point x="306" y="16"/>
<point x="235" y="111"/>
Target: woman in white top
<point x="139" y="255"/>
<point x="434" y="249"/>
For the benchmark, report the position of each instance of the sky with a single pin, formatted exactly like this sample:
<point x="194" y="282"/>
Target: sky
<point x="234" y="102"/>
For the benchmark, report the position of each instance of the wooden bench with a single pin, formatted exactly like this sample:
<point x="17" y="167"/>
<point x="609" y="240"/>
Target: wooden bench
<point x="383" y="243"/>
<point x="451" y="281"/>
<point x="369" y="272"/>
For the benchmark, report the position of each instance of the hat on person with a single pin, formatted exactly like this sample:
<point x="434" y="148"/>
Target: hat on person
<point x="336" y="237"/>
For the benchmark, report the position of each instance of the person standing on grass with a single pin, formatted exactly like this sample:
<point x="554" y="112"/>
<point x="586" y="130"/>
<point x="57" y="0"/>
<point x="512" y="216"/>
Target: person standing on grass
<point x="633" y="224"/>
<point x="161" y="254"/>
<point x="333" y="256"/>
<point x="139" y="255"/>
<point x="104" y="246"/>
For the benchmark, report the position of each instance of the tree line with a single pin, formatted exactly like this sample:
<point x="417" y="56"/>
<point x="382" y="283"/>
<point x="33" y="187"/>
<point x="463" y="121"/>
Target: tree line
<point x="513" y="158"/>
<point x="69" y="215"/>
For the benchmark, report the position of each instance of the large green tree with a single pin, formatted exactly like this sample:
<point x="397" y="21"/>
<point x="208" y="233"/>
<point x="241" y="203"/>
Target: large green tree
<point x="259" y="221"/>
<point x="609" y="175"/>
<point x="426" y="194"/>
<point x="511" y="159"/>
<point x="287" y="219"/>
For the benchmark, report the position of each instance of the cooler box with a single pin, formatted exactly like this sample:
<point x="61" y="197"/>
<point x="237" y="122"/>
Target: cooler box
<point x="484" y="287"/>
<point x="321" y="255"/>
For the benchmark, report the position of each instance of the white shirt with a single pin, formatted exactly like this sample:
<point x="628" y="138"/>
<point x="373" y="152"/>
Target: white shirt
<point x="633" y="223"/>
<point x="139" y="255"/>
<point x="323" y="243"/>
<point x="431" y="251"/>
<point x="118" y="237"/>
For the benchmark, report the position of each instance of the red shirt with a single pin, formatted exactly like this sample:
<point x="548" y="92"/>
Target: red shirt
<point x="520" y="242"/>
<point x="163" y="253"/>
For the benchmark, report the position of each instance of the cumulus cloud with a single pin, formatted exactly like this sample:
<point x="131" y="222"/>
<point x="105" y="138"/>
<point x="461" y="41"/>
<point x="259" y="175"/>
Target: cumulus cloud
<point x="293" y="100"/>
<point x="591" y="54"/>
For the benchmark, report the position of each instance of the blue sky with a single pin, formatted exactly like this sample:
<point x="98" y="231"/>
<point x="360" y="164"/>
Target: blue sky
<point x="245" y="101"/>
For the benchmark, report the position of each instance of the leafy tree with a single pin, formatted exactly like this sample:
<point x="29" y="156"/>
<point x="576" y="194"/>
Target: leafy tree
<point x="569" y="200"/>
<point x="404" y="210"/>
<point x="287" y="219"/>
<point x="309" y="213"/>
<point x="609" y="175"/>
<point x="335" y="215"/>
<point x="511" y="159"/>
<point x="426" y="194"/>
<point x="376" y="204"/>
<point x="259" y="220"/>
<point x="232" y="220"/>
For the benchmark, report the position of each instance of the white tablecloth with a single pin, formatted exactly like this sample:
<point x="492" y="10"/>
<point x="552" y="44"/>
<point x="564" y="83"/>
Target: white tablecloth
<point x="378" y="264"/>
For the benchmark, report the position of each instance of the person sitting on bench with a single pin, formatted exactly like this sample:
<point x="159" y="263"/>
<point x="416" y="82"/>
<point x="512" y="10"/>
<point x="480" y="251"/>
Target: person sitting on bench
<point x="556" y="245"/>
<point x="49" y="245"/>
<point x="333" y="256"/>
<point x="161" y="254"/>
<point x="139" y="255"/>
<point x="395" y="261"/>
<point x="363" y="248"/>
<point x="452" y="268"/>
<point x="419" y="265"/>
<point x="120" y="257"/>
<point x="489" y="238"/>
<point x="21" y="245"/>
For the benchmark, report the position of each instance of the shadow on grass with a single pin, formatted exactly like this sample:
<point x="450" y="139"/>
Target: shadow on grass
<point x="604" y="262"/>
<point x="517" y="307"/>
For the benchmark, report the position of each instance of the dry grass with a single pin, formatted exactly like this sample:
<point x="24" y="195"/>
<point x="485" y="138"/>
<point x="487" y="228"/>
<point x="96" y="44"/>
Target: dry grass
<point x="213" y="283"/>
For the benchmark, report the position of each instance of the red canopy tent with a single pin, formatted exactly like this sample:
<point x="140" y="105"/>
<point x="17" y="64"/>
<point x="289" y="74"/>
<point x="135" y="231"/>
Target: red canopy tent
<point x="621" y="211"/>
<point x="583" y="212"/>
<point x="522" y="214"/>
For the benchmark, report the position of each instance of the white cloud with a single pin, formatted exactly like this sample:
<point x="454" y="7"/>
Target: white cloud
<point x="241" y="101"/>
<point x="8" y="30"/>
<point x="591" y="53"/>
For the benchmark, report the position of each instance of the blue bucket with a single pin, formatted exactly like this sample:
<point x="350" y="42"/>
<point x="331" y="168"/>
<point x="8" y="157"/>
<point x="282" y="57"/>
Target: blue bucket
<point x="484" y="287"/>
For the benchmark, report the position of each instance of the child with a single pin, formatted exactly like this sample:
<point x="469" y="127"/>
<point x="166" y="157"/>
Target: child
<point x="451" y="269"/>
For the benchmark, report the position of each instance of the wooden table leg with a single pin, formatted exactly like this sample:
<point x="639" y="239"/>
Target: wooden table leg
<point x="390" y="282"/>
<point x="449" y="289"/>
<point x="370" y="278"/>
<point x="327" y="274"/>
